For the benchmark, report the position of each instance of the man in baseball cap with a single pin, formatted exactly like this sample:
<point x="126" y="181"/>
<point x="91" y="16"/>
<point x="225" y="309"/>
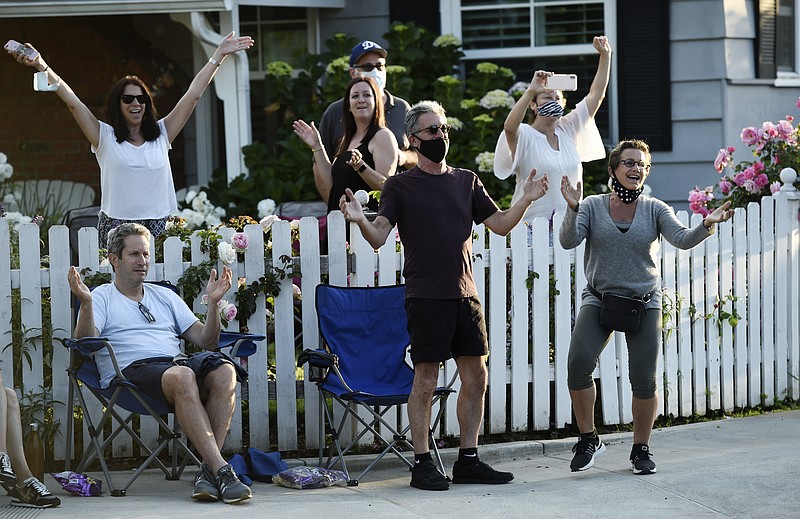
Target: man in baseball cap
<point x="369" y="59"/>
<point x="365" y="47"/>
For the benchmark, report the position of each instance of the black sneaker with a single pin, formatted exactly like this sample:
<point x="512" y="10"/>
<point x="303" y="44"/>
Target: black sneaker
<point x="640" y="460"/>
<point x="33" y="494"/>
<point x="480" y="472"/>
<point x="426" y="476"/>
<point x="205" y="487"/>
<point x="231" y="490"/>
<point x="586" y="450"/>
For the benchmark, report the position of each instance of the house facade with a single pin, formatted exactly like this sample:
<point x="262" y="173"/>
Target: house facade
<point x="687" y="75"/>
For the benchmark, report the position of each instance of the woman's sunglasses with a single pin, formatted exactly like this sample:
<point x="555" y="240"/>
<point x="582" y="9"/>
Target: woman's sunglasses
<point x="128" y="98"/>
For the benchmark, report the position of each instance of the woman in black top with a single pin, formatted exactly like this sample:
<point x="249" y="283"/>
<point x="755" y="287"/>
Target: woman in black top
<point x="367" y="153"/>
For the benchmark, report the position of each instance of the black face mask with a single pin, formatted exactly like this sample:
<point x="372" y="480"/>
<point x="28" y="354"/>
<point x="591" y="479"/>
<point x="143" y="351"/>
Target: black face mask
<point x="626" y="195"/>
<point x="434" y="150"/>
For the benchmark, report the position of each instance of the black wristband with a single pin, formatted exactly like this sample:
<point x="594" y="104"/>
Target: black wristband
<point x="362" y="168"/>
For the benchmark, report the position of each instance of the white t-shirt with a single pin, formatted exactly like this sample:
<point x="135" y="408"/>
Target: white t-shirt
<point x="136" y="181"/>
<point x="133" y="337"/>
<point x="578" y="141"/>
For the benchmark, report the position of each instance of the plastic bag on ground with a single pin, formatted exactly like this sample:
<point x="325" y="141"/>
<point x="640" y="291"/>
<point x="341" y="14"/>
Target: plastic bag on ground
<point x="303" y="478"/>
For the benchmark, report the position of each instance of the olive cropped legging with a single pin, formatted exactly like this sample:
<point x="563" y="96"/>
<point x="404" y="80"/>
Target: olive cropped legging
<point x="589" y="339"/>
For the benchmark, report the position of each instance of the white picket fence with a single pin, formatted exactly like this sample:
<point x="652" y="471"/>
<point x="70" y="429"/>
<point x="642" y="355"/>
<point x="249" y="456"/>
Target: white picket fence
<point x="751" y="263"/>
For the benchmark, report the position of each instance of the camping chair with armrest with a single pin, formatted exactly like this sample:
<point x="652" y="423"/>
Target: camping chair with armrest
<point x="123" y="394"/>
<point x="364" y="368"/>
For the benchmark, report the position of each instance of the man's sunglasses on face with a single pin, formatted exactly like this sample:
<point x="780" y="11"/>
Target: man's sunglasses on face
<point x="368" y="67"/>
<point x="434" y="129"/>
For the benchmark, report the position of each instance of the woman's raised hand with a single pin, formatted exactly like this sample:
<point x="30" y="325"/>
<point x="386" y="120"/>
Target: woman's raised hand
<point x="601" y="44"/>
<point x="722" y="213"/>
<point x="308" y="133"/>
<point x="571" y="194"/>
<point x="231" y="43"/>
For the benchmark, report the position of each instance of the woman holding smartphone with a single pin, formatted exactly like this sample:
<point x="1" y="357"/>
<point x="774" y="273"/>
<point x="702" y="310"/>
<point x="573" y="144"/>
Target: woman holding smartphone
<point x="552" y="144"/>
<point x="132" y="146"/>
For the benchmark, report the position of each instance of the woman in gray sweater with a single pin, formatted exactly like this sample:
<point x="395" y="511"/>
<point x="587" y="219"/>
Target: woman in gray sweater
<point x="622" y="231"/>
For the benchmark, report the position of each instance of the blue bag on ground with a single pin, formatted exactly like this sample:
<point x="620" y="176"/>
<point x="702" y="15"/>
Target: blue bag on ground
<point x="264" y="465"/>
<point x="240" y="467"/>
<point x="303" y="478"/>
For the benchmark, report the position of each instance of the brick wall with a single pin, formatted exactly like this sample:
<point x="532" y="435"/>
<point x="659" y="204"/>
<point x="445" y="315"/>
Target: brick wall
<point x="38" y="132"/>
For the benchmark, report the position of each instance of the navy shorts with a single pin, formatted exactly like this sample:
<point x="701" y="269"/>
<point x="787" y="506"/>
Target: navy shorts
<point x="147" y="373"/>
<point x="445" y="328"/>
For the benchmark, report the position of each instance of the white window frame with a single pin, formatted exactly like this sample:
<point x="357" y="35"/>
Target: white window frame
<point x="451" y="24"/>
<point x="784" y="78"/>
<point x="312" y="39"/>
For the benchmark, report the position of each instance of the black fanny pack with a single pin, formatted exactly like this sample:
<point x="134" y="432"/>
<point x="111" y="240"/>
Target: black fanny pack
<point x="620" y="313"/>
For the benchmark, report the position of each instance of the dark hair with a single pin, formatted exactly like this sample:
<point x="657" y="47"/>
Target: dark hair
<point x="117" y="235"/>
<point x="629" y="144"/>
<point x="150" y="130"/>
<point x="378" y="117"/>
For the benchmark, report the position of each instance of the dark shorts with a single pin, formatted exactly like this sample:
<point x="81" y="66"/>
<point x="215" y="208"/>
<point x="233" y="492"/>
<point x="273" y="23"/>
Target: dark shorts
<point x="105" y="224"/>
<point x="147" y="373"/>
<point x="445" y="328"/>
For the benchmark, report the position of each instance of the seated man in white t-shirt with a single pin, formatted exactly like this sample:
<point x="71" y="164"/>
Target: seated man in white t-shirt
<point x="145" y="323"/>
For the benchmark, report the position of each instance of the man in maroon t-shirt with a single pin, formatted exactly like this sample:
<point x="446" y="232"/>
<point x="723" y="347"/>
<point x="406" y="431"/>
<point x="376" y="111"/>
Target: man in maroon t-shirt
<point x="434" y="207"/>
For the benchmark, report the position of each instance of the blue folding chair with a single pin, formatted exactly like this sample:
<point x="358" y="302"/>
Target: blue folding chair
<point x="363" y="367"/>
<point x="82" y="373"/>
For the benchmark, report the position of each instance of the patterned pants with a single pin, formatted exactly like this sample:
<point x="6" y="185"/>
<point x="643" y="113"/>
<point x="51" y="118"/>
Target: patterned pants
<point x="105" y="224"/>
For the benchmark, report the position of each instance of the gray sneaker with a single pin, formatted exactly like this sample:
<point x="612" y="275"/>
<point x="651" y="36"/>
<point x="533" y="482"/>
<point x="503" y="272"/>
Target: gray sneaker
<point x="230" y="488"/>
<point x="33" y="494"/>
<point x="205" y="487"/>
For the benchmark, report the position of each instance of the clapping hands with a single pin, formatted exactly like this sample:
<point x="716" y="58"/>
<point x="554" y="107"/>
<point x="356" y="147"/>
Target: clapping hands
<point x="571" y="194"/>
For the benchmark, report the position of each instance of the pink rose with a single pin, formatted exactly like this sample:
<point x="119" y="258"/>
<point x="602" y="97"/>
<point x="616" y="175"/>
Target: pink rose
<point x="785" y="129"/>
<point x="750" y="186"/>
<point x="722" y="160"/>
<point x="750" y="135"/>
<point x="761" y="181"/>
<point x="725" y="186"/>
<point x="770" y="131"/>
<point x="240" y="241"/>
<point x="740" y="179"/>
<point x="698" y="199"/>
<point x="775" y="187"/>
<point x="229" y="312"/>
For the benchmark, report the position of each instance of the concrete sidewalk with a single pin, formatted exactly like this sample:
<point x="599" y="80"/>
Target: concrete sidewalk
<point x="743" y="467"/>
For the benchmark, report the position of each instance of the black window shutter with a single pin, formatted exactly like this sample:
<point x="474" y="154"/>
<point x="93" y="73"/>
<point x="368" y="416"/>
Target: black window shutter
<point x="767" y="25"/>
<point x="424" y="13"/>
<point x="643" y="73"/>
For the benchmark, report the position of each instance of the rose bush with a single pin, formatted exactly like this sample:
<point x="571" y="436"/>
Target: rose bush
<point x="774" y="147"/>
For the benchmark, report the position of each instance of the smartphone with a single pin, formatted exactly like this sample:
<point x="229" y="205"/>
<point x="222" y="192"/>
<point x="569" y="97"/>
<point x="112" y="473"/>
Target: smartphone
<point x="18" y="48"/>
<point x="562" y="82"/>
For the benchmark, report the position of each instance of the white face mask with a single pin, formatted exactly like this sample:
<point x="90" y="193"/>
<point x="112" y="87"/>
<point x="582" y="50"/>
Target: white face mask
<point x="378" y="75"/>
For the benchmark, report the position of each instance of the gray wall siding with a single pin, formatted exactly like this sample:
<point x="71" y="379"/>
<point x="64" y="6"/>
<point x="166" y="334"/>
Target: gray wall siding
<point x="365" y="19"/>
<point x="713" y="91"/>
